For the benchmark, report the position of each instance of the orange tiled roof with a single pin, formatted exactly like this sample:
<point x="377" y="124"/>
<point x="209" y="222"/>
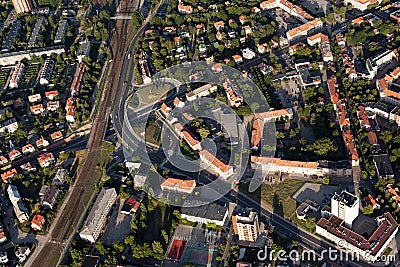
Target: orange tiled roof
<point x="219" y="24"/>
<point x="256" y="133"/>
<point x="45" y="157"/>
<point x="372" y="138"/>
<point x="323" y="37"/>
<point x="183" y="184"/>
<point x="8" y="174"/>
<point x="284" y="163"/>
<point x="28" y="147"/>
<point x="272" y="114"/>
<point x="333" y="89"/>
<point x="215" y="161"/>
<point x="187" y="135"/>
<point x="304" y="28"/>
<point x="38" y="220"/>
<point x="51" y="93"/>
<point x="56" y="135"/>
<point x="394" y="192"/>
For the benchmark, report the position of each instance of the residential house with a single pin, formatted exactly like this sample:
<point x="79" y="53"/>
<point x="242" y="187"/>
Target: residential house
<point x="131" y="205"/>
<point x="37" y="109"/>
<point x="50" y="197"/>
<point x="29" y="148"/>
<point x="50" y="95"/>
<point x="34" y="98"/>
<point x="8" y="174"/>
<point x="46" y="159"/>
<point x="42" y="143"/>
<point x="14" y="154"/>
<point x="52" y="105"/>
<point x="9" y="126"/>
<point x="56" y="136"/>
<point x="59" y="178"/>
<point x="22" y="253"/>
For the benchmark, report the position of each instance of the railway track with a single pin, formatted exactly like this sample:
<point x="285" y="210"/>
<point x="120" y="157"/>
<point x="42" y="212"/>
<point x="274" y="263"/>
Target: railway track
<point x="67" y="222"/>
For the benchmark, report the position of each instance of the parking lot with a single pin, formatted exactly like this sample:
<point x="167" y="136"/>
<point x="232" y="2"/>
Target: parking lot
<point x="318" y="193"/>
<point x="118" y="225"/>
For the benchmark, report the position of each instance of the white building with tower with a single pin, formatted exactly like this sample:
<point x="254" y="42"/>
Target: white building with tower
<point x="345" y="206"/>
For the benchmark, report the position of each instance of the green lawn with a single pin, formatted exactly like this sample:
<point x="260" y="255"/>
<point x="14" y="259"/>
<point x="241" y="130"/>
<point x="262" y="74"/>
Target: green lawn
<point x="276" y="196"/>
<point x="31" y="74"/>
<point x="153" y="133"/>
<point x="3" y="77"/>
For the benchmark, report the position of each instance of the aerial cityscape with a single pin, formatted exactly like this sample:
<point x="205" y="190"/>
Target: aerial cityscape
<point x="184" y="133"/>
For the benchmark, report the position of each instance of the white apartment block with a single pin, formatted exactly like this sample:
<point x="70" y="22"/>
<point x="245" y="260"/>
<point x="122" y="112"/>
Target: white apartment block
<point x="19" y="208"/>
<point x="12" y="58"/>
<point x="46" y="71"/>
<point x="346" y="207"/>
<point x="16" y="76"/>
<point x="246" y="225"/>
<point x="96" y="221"/>
<point x="378" y="61"/>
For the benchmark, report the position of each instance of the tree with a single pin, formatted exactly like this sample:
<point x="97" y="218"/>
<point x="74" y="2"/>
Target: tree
<point x="322" y="147"/>
<point x="100" y="247"/>
<point x="118" y="247"/>
<point x="158" y="251"/>
<point x="368" y="210"/>
<point x="137" y="19"/>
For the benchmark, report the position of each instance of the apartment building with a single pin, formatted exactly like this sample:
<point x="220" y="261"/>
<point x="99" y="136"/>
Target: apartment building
<point x="178" y="185"/>
<point x="19" y="208"/>
<point x="210" y="213"/>
<point x="246" y="225"/>
<point x="380" y="60"/>
<point x="35" y="33"/>
<point x="46" y="71"/>
<point x="76" y="83"/>
<point x="12" y="34"/>
<point x="215" y="164"/>
<point x="361" y="4"/>
<point x="96" y="220"/>
<point x="304" y="29"/>
<point x="383" y="166"/>
<point x="50" y="197"/>
<point x="61" y="32"/>
<point x="301" y="168"/>
<point x="22" y="6"/>
<point x="288" y="7"/>
<point x="12" y="58"/>
<point x="345" y="206"/>
<point x="188" y="137"/>
<point x="16" y="76"/>
<point x="202" y="91"/>
<point x="369" y="248"/>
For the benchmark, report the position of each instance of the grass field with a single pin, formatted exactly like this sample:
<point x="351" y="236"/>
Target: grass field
<point x="31" y="74"/>
<point x="149" y="93"/>
<point x="153" y="133"/>
<point x="276" y="196"/>
<point x="3" y="77"/>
